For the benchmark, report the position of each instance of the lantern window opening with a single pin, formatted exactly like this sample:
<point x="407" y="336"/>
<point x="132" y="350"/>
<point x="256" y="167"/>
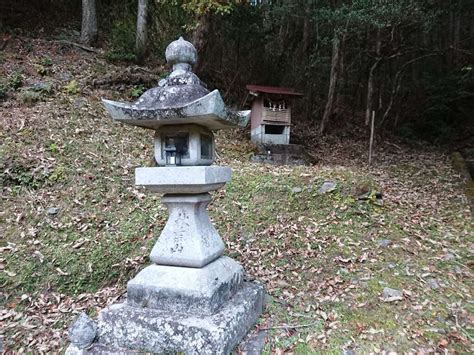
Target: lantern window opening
<point x="206" y="146"/>
<point x="179" y="140"/>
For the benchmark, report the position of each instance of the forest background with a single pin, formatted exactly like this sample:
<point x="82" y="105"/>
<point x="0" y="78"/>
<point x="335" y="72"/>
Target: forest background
<point x="407" y="61"/>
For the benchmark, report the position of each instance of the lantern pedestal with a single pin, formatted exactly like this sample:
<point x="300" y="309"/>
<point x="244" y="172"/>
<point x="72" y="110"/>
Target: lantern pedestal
<point x="192" y="298"/>
<point x="122" y="327"/>
<point x="189" y="239"/>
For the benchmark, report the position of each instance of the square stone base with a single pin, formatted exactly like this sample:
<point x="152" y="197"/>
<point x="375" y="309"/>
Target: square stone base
<point x="123" y="329"/>
<point x="186" y="289"/>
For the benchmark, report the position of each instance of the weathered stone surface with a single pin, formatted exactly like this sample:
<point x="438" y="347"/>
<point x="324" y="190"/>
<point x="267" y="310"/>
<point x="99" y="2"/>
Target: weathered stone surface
<point x="448" y="257"/>
<point x="278" y="159"/>
<point x="123" y="329"/>
<point x="181" y="51"/>
<point x="63" y="76"/>
<point x="392" y="295"/>
<point x="82" y="332"/>
<point x="208" y="111"/>
<point x="192" y="299"/>
<point x="432" y="283"/>
<point x="52" y="211"/>
<point x="184" y="289"/>
<point x="188" y="238"/>
<point x="40" y="87"/>
<point x="180" y="98"/>
<point x="74" y="350"/>
<point x="348" y="351"/>
<point x="182" y="179"/>
<point x="280" y="154"/>
<point x="254" y="344"/>
<point x="384" y="243"/>
<point x="327" y="186"/>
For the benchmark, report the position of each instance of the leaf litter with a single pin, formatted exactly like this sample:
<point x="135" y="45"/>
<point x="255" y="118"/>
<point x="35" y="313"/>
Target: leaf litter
<point x="317" y="254"/>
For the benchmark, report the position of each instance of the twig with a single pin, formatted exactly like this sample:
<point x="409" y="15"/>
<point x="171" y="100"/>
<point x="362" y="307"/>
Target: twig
<point x="398" y="81"/>
<point x="302" y="315"/>
<point x="138" y="68"/>
<point x="296" y="326"/>
<point x="461" y="264"/>
<point x="231" y="83"/>
<point x="3" y="45"/>
<point x="461" y="50"/>
<point x="393" y="145"/>
<point x="245" y="100"/>
<point x="118" y="296"/>
<point x="85" y="48"/>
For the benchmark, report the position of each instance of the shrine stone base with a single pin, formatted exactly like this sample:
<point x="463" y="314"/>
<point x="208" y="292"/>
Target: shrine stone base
<point x="125" y="329"/>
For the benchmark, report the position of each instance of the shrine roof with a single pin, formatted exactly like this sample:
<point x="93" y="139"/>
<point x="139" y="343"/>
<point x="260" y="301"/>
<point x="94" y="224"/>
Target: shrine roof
<point x="273" y="90"/>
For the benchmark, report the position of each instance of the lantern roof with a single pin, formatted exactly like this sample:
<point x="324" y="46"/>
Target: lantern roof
<point x="180" y="98"/>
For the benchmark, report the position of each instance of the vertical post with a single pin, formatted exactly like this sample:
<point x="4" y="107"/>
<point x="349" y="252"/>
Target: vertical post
<point x="371" y="137"/>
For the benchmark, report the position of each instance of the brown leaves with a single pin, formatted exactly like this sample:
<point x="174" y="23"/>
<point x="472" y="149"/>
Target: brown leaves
<point x="43" y="320"/>
<point x="318" y="255"/>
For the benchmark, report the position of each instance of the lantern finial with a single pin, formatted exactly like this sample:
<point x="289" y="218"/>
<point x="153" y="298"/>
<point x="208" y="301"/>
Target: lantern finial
<point x="181" y="52"/>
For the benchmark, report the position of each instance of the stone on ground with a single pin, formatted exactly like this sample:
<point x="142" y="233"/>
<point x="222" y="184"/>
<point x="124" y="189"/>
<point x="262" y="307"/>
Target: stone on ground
<point x="83" y="331"/>
<point x="391" y="295"/>
<point x="327" y="186"/>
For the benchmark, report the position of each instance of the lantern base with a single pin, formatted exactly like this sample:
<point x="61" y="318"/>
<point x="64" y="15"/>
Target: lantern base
<point x="125" y="329"/>
<point x="198" y="291"/>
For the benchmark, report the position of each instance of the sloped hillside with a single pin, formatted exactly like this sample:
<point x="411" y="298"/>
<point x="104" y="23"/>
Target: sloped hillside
<point x="344" y="269"/>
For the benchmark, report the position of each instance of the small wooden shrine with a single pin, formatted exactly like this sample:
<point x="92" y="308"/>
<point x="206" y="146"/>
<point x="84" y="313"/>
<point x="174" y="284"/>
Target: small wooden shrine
<point x="271" y="113"/>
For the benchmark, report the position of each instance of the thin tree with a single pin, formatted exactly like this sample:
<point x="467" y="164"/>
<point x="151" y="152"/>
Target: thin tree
<point x="89" y="22"/>
<point x="142" y="37"/>
<point x="333" y="81"/>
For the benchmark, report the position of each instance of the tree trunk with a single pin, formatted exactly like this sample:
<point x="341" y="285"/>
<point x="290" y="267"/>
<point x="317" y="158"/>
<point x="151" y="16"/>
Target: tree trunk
<point x="471" y="28"/>
<point x="334" y="77"/>
<point x="200" y="37"/>
<point x="371" y="80"/>
<point x="340" y="85"/>
<point x="306" y="30"/>
<point x="457" y="25"/>
<point x="89" y="22"/>
<point x="370" y="91"/>
<point x="450" y="54"/>
<point x="141" y="39"/>
<point x="457" y="32"/>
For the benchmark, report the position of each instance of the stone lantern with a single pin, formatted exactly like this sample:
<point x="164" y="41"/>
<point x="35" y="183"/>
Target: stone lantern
<point x="192" y="298"/>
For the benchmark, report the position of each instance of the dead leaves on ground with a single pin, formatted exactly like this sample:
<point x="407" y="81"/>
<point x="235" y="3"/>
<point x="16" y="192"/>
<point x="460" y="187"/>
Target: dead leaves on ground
<point x="320" y="269"/>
